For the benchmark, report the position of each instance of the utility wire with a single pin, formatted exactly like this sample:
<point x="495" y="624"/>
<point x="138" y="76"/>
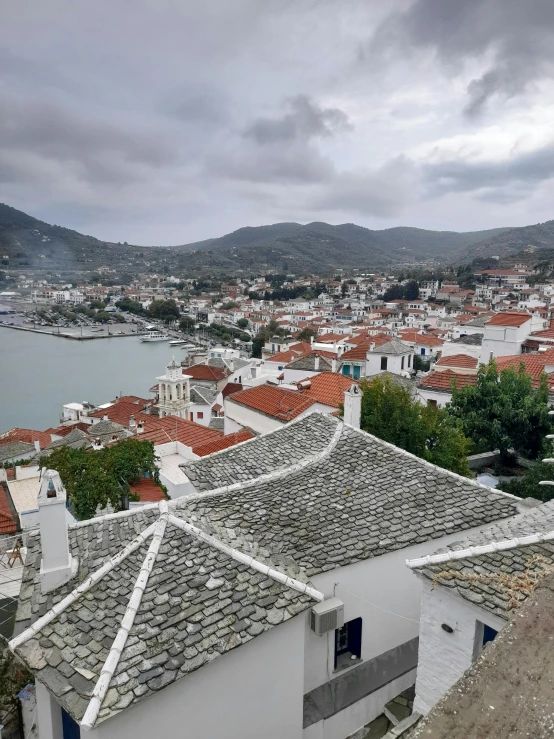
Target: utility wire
<point x="390" y="613"/>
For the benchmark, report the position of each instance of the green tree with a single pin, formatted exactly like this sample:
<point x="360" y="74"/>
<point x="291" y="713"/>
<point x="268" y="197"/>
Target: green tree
<point x="242" y="323"/>
<point x="390" y="413"/>
<point x="306" y="334"/>
<point x="411" y="290"/>
<point x="503" y="410"/>
<point x="527" y="486"/>
<point x="165" y="310"/>
<point x="96" y="478"/>
<point x="187" y="324"/>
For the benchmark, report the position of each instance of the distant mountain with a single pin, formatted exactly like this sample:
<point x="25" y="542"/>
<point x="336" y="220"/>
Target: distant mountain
<point x="513" y="241"/>
<point x="315" y="247"/>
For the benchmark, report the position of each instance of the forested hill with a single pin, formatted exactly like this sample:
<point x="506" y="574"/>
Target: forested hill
<point x="312" y="248"/>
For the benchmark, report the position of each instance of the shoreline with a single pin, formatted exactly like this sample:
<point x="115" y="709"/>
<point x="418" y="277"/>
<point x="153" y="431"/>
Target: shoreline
<point x="69" y="336"/>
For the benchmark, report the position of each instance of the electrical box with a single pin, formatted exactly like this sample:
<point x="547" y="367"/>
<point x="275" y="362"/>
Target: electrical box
<point x="327" y="616"/>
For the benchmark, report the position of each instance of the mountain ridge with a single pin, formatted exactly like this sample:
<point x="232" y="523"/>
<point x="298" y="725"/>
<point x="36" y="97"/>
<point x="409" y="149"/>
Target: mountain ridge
<point x="315" y="247"/>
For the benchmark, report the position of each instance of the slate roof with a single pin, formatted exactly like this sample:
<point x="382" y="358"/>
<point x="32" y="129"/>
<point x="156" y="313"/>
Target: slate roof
<point x="354" y="498"/>
<point x="272" y="452"/>
<point x="11" y="449"/>
<point x="307" y="363"/>
<point x="199" y="603"/>
<point x="76" y="439"/>
<point x="480" y="578"/>
<point x="471" y="339"/>
<point x="202" y="395"/>
<point x="394" y="346"/>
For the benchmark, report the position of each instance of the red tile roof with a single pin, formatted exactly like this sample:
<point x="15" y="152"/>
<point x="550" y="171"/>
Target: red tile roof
<point x="534" y="364"/>
<point x="65" y="430"/>
<point x="8" y="524"/>
<point x="173" y="428"/>
<point x="27" y="435"/>
<point x="329" y="338"/>
<point x="508" y="318"/>
<point x="442" y="381"/>
<point x="458" y="360"/>
<point x="230" y="388"/>
<point x="120" y="413"/>
<point x="416" y="337"/>
<point x="148" y="490"/>
<point x="295" y="351"/>
<point x="328" y="388"/>
<point x="274" y="401"/>
<point x="223" y="443"/>
<point x="206" y="372"/>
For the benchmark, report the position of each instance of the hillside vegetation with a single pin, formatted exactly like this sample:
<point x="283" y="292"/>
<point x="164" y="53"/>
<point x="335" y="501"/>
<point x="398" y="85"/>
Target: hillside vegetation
<point x="320" y="248"/>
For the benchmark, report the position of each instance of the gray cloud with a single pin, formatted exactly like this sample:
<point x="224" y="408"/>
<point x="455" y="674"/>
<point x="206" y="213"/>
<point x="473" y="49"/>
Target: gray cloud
<point x="303" y="121"/>
<point x="514" y="38"/>
<point x="499" y="181"/>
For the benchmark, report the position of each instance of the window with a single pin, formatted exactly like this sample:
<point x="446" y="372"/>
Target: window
<point x="432" y="402"/>
<point x="423" y="351"/>
<point x="346" y="369"/>
<point x="402" y="363"/>
<point x="483" y="635"/>
<point x="383" y="363"/>
<point x="348" y="644"/>
<point x="410" y="360"/>
<point x="200" y="414"/>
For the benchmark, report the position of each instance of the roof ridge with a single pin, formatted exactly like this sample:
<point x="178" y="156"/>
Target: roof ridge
<point x="246" y="559"/>
<point x="118" y="644"/>
<point x="478" y="549"/>
<point x="86" y="585"/>
<point x="270" y="476"/>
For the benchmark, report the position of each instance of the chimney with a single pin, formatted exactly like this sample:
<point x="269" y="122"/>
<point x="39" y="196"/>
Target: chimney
<point x="253" y="372"/>
<point x="316" y="362"/>
<point x="97" y="444"/>
<point x="353" y="406"/>
<point x="334" y="364"/>
<point x="37" y="445"/>
<point x="105" y="417"/>
<point x="56" y="563"/>
<point x="140" y="427"/>
<point x="132" y="423"/>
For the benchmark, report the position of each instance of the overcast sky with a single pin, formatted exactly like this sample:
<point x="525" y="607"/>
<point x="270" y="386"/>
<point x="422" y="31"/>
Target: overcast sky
<point x="169" y="121"/>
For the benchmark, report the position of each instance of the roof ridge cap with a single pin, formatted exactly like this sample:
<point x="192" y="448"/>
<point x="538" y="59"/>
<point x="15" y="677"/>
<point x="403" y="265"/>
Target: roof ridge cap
<point x="246" y="559"/>
<point x="270" y="476"/>
<point x="118" y="645"/>
<point x="478" y="549"/>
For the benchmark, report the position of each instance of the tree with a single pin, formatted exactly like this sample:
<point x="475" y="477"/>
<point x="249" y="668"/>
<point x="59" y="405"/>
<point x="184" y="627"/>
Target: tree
<point x="411" y="290"/>
<point x="165" y="310"/>
<point x="390" y="413"/>
<point x="96" y="478"/>
<point x="306" y="334"/>
<point x="503" y="410"/>
<point x="242" y="323"/>
<point x="187" y="324"/>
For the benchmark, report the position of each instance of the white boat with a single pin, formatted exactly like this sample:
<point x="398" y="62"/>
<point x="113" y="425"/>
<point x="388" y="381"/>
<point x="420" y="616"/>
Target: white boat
<point x="154" y="334"/>
<point x="177" y="342"/>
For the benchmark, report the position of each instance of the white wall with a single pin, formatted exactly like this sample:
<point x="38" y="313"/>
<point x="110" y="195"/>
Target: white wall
<point x="424" y="395"/>
<point x="472" y="350"/>
<point x="394" y="363"/>
<point x="252" y="692"/>
<point x="374" y="590"/>
<point x="444" y="657"/>
<point x="243" y="416"/>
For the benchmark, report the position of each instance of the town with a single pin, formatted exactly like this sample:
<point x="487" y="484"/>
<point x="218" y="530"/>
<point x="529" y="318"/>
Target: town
<point x="249" y="450"/>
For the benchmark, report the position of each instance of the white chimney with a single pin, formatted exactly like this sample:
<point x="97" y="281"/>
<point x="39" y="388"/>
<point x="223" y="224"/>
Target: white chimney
<point x="97" y="444"/>
<point x="56" y="563"/>
<point x="140" y="427"/>
<point x="253" y="372"/>
<point x="132" y="423"/>
<point x="334" y="364"/>
<point x="353" y="406"/>
<point x="316" y="362"/>
<point x="37" y="445"/>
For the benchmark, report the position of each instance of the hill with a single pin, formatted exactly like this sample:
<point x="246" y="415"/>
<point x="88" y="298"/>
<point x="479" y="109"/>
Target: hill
<point x="317" y="247"/>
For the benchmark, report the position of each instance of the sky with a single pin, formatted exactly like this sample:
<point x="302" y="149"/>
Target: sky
<point x="169" y="121"/>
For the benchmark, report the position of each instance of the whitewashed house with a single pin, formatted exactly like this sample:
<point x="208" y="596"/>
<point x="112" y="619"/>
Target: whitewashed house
<point x="273" y="602"/>
<point x="504" y="334"/>
<point x="394" y="356"/>
<point x="471" y="590"/>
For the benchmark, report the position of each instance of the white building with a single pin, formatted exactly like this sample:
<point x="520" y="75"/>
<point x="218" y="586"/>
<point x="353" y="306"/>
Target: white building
<point x="466" y="596"/>
<point x="216" y="599"/>
<point x="505" y="332"/>
<point x="394" y="356"/>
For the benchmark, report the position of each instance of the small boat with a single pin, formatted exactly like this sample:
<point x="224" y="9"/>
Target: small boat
<point x="154" y="334"/>
<point x="177" y="342"/>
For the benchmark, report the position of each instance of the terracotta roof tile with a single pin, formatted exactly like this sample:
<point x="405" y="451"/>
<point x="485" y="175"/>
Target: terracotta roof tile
<point x="508" y="318"/>
<point x="173" y="428"/>
<point x="328" y="388"/>
<point x="206" y="372"/>
<point x="458" y="360"/>
<point x="147" y="490"/>
<point x="27" y="435"/>
<point x="8" y="524"/>
<point x="224" y="443"/>
<point x="274" y="401"/>
<point x="416" y="337"/>
<point x="534" y="364"/>
<point x="442" y="381"/>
